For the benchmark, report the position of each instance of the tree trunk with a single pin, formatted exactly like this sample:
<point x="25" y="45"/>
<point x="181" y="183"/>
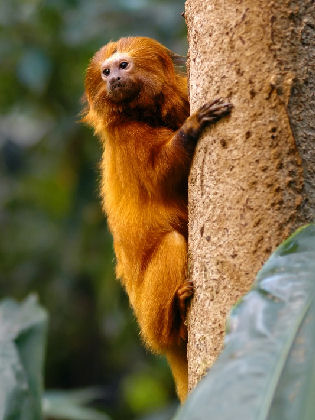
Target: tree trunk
<point x="252" y="180"/>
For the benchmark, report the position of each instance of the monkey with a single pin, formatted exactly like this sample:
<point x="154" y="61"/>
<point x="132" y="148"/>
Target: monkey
<point x="137" y="103"/>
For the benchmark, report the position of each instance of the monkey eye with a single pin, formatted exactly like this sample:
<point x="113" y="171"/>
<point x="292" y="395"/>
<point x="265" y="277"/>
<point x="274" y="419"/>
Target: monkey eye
<point x="106" y="72"/>
<point x="123" y="65"/>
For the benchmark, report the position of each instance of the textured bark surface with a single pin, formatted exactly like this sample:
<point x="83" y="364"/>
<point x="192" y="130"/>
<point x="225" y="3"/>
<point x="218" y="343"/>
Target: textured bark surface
<point x="247" y="189"/>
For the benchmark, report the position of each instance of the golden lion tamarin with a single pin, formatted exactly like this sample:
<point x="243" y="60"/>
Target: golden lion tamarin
<point x="137" y="103"/>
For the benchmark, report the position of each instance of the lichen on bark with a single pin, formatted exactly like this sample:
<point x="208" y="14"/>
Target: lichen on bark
<point x="252" y="179"/>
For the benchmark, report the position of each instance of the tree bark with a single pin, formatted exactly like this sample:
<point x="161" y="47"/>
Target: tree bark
<point x="252" y="180"/>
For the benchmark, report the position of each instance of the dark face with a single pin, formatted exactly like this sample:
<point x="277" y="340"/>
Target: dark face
<point x="118" y="73"/>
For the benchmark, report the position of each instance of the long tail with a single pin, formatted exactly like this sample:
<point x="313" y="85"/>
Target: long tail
<point x="177" y="359"/>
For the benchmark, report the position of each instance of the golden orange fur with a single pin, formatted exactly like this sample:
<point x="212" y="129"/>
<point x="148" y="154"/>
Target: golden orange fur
<point x="138" y="112"/>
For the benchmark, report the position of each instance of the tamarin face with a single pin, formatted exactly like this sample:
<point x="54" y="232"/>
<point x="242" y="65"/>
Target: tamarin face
<point x="118" y="73"/>
<point x="130" y="72"/>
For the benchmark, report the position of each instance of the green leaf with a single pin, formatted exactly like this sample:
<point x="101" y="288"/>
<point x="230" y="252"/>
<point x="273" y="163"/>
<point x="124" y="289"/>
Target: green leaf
<point x="267" y="368"/>
<point x="69" y="405"/>
<point x="22" y="337"/>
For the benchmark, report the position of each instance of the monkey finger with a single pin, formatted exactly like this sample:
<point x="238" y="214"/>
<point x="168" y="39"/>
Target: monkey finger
<point x="186" y="295"/>
<point x="215" y="101"/>
<point x="216" y="114"/>
<point x="209" y="106"/>
<point x="185" y="291"/>
<point x="217" y="107"/>
<point x="214" y="111"/>
<point x="185" y="285"/>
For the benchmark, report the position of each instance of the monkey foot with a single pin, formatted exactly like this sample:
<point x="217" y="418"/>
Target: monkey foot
<point x="184" y="294"/>
<point x="214" y="111"/>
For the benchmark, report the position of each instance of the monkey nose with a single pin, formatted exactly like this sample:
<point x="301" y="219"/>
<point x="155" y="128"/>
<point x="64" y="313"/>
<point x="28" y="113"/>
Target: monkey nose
<point x="114" y="80"/>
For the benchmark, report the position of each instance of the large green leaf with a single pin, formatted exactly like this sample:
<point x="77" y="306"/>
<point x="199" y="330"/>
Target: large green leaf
<point x="22" y="338"/>
<point x="267" y="368"/>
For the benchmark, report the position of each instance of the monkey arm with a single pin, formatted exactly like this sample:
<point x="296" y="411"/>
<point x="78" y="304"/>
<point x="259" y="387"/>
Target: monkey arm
<point x="173" y="156"/>
<point x="189" y="133"/>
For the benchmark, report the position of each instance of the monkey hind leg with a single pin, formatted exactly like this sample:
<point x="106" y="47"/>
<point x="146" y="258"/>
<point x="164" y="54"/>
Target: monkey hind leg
<point x="161" y="305"/>
<point x="157" y="305"/>
<point x="177" y="359"/>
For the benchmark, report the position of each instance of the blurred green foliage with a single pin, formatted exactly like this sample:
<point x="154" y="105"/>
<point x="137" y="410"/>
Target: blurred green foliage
<point x="54" y="238"/>
<point x="22" y="342"/>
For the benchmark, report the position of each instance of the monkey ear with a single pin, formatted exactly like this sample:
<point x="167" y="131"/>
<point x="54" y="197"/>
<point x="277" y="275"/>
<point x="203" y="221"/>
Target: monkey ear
<point x="179" y="61"/>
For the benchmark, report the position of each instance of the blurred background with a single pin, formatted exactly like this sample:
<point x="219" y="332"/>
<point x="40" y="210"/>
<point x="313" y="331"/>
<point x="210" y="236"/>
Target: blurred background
<point x="53" y="236"/>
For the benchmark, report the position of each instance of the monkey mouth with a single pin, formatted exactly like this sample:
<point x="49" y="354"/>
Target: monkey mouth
<point x="122" y="91"/>
<point x="118" y="86"/>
